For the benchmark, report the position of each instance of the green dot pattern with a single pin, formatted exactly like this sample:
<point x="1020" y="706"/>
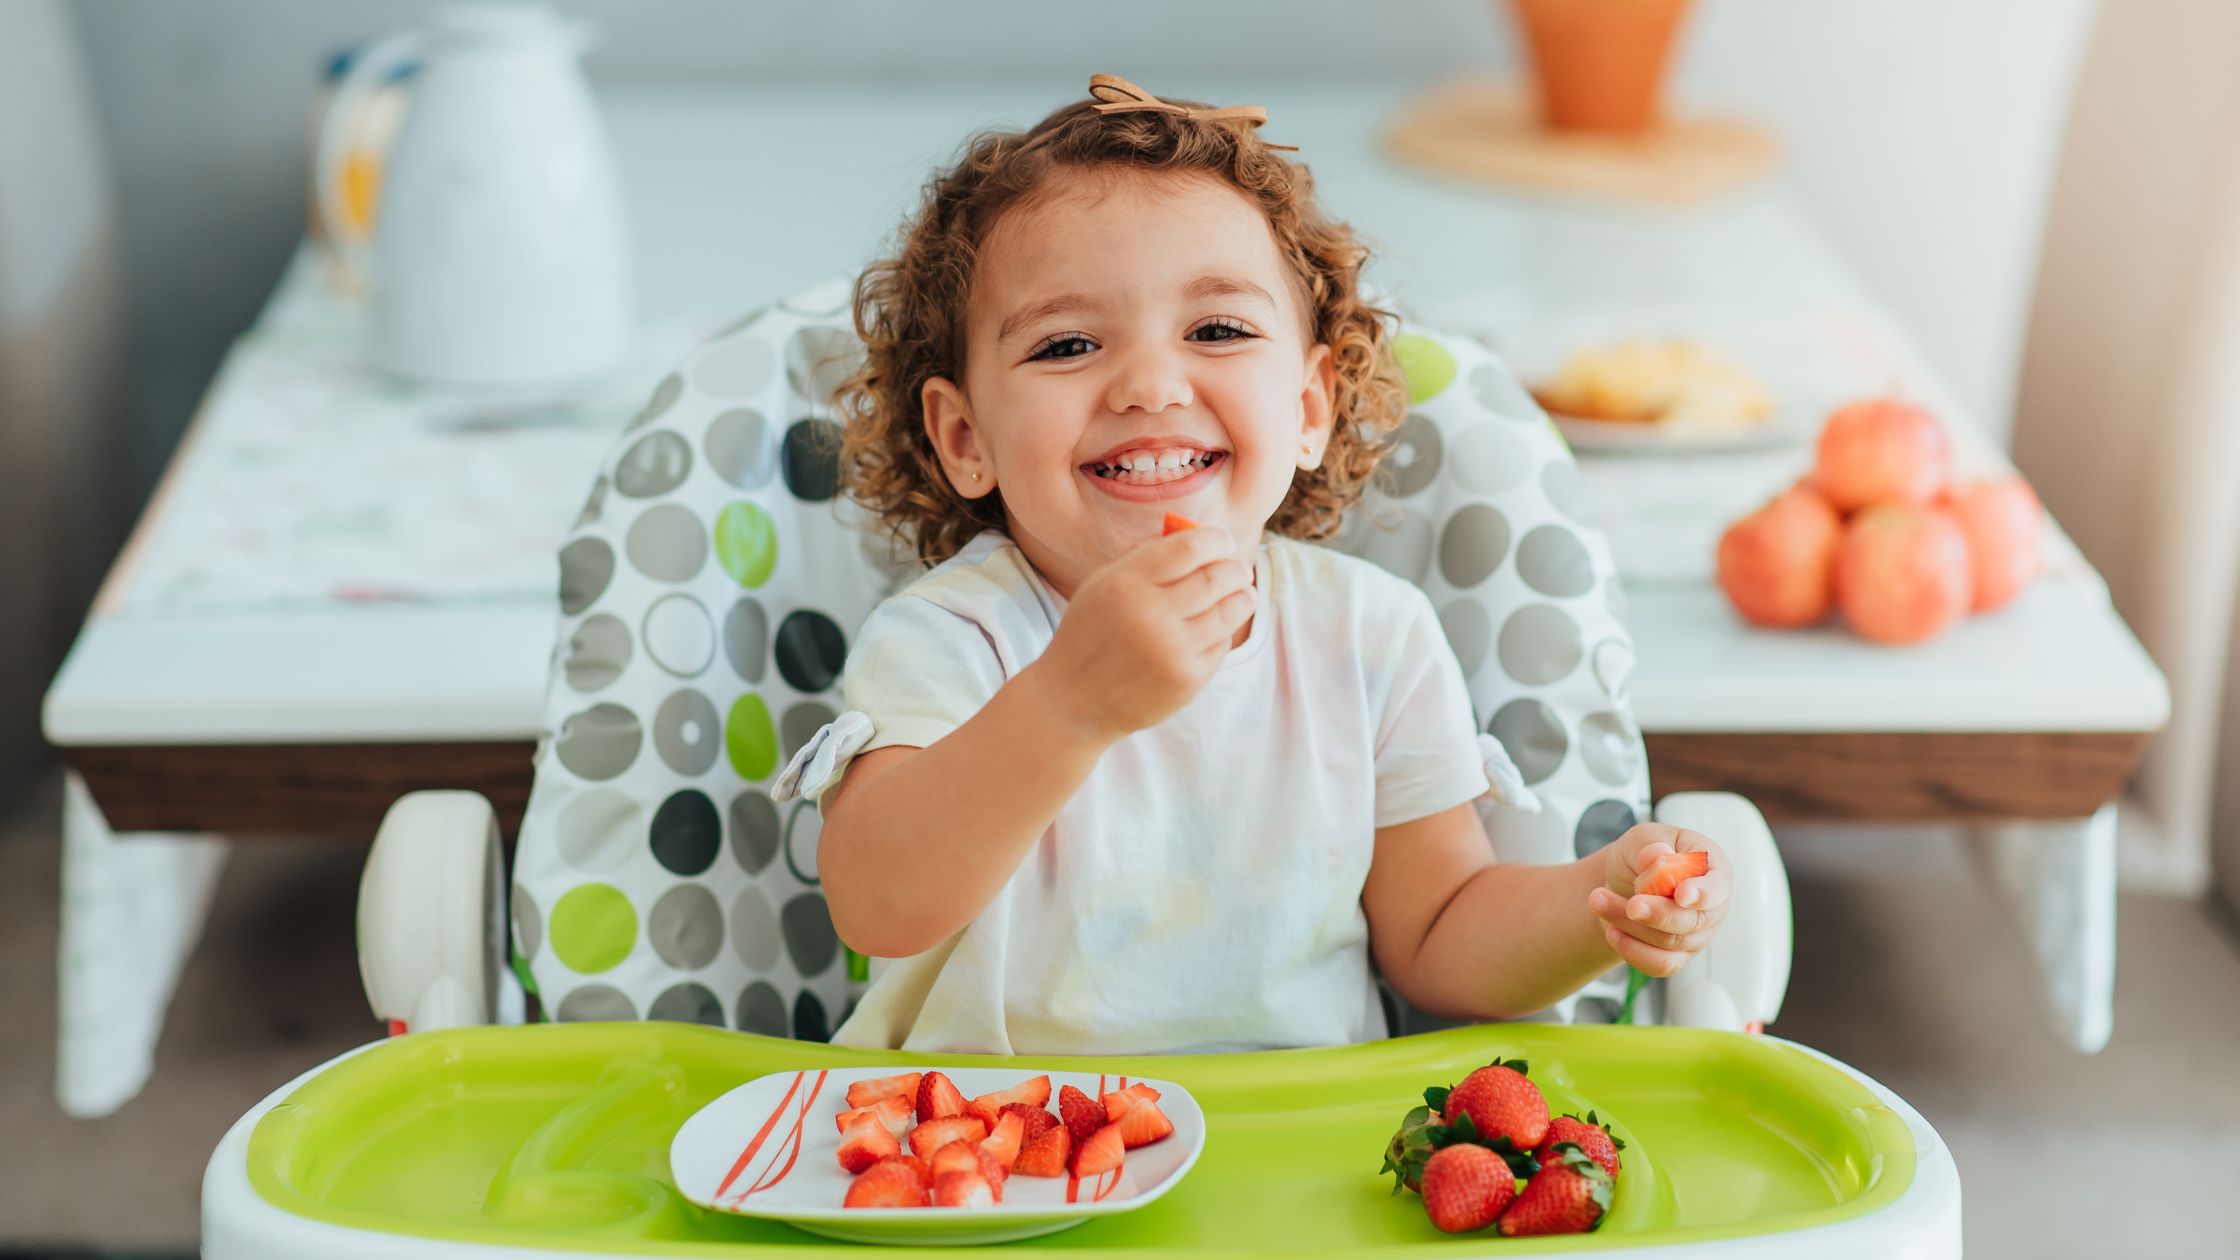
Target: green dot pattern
<point x="1426" y="364"/>
<point x="746" y="543"/>
<point x="593" y="928"/>
<point x="749" y="739"/>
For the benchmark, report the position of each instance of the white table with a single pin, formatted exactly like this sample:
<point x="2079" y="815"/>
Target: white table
<point x="740" y="195"/>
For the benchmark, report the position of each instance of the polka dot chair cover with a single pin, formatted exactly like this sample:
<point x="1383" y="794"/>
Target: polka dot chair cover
<point x="709" y="590"/>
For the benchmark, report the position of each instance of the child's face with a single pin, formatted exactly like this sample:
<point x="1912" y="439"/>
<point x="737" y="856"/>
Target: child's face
<point x="1135" y="346"/>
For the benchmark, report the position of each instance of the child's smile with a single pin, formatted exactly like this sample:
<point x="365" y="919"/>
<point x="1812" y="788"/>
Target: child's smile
<point x="1135" y="344"/>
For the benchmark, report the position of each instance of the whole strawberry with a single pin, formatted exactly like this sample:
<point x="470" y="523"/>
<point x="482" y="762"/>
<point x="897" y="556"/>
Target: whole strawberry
<point x="1568" y="1196"/>
<point x="1588" y="1135"/>
<point x="1502" y="1102"/>
<point x="1466" y="1187"/>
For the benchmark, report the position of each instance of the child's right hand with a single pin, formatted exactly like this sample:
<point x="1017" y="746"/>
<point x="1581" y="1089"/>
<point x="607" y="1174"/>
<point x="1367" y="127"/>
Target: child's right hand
<point x="1144" y="633"/>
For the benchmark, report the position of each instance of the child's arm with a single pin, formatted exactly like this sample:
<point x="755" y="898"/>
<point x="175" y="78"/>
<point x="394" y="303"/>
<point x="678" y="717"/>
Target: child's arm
<point x="1464" y="936"/>
<point x="917" y="841"/>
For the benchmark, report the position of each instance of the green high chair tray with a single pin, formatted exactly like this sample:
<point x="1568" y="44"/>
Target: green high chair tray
<point x="557" y="1137"/>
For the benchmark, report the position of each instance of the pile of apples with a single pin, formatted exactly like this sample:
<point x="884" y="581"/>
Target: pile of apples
<point x="1880" y="531"/>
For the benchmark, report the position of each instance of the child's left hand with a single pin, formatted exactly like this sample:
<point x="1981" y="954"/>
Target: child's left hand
<point x="1660" y="934"/>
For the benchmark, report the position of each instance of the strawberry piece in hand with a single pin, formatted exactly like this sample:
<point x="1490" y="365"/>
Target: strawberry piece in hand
<point x="1045" y="1156"/>
<point x="885" y="1184"/>
<point x="1175" y="524"/>
<point x="1466" y="1187"/>
<point x="1565" y="1197"/>
<point x="1665" y="875"/>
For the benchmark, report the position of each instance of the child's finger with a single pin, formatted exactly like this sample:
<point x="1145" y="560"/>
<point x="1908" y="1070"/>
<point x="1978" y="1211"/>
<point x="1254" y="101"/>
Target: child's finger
<point x="1711" y="889"/>
<point x="1177" y="555"/>
<point x="1647" y="934"/>
<point x="1218" y="624"/>
<point x="1204" y="587"/>
<point x="1663" y="914"/>
<point x="1649" y="959"/>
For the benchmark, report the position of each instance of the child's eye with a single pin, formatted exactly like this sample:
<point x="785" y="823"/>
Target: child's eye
<point x="1221" y="330"/>
<point x="1063" y="346"/>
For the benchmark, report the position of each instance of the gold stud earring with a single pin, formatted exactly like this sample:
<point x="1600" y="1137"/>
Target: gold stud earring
<point x="976" y="479"/>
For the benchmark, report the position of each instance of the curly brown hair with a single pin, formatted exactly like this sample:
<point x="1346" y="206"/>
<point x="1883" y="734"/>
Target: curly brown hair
<point x="910" y="313"/>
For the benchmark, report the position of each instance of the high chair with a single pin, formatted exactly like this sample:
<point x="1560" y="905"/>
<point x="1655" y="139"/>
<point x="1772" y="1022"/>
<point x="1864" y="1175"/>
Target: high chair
<point x="707" y="594"/>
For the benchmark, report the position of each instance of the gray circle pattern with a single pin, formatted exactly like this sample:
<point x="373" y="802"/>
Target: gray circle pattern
<point x="755" y="830"/>
<point x="586" y="566"/>
<point x="1553" y="561"/>
<point x="1602" y="822"/>
<point x="687" y="733"/>
<point x="679" y="635"/>
<point x="599" y="830"/>
<point x="528" y="924"/>
<point x="1473" y="545"/>
<point x="746" y="639"/>
<point x="1539" y="645"/>
<point x="1611" y="747"/>
<point x="1413" y="462"/>
<point x="1534" y="736"/>
<point x="687" y="1003"/>
<point x="1498" y="392"/>
<point x="655" y="464"/>
<point x="686" y="927"/>
<point x="1397" y="541"/>
<point x="595" y="1004"/>
<point x="818" y="360"/>
<point x="762" y="1011"/>
<point x="740" y="450"/>
<point x="754" y="929"/>
<point x="810" y="940"/>
<point x="1490" y="461"/>
<point x="598" y="652"/>
<point x="801" y="723"/>
<point x="667" y="543"/>
<point x="600" y="742"/>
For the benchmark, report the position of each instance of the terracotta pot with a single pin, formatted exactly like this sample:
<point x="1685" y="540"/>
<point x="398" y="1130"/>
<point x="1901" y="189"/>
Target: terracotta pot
<point x="1600" y="63"/>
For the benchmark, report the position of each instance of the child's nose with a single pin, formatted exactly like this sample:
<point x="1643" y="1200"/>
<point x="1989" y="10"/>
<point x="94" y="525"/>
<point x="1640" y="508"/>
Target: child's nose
<point x="1149" y="380"/>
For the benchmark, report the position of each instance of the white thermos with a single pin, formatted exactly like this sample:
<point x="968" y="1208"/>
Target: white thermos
<point x="500" y="257"/>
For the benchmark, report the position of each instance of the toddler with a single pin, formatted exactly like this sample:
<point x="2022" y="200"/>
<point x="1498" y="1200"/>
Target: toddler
<point x="1104" y="790"/>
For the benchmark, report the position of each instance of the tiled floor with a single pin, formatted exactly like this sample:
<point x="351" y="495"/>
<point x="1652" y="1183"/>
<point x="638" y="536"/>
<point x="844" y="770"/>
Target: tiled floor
<point x="1903" y="968"/>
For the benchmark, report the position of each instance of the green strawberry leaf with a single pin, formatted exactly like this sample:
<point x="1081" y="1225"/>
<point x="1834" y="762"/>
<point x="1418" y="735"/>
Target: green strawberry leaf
<point x="1522" y="1067"/>
<point x="1436" y="1096"/>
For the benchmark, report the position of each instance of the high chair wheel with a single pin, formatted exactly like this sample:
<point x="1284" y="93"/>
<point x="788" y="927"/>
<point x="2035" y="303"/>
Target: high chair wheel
<point x="431" y="913"/>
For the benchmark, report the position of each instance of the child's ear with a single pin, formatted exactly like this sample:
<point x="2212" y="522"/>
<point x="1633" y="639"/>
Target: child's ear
<point x="1317" y="406"/>
<point x="955" y="440"/>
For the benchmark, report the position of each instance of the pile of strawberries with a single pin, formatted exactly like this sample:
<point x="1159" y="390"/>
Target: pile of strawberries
<point x="959" y="1153"/>
<point x="1466" y="1149"/>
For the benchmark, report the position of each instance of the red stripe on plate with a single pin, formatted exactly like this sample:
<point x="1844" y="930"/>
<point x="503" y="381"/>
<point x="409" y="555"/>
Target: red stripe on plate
<point x="739" y="1165"/>
<point x="792" y="1143"/>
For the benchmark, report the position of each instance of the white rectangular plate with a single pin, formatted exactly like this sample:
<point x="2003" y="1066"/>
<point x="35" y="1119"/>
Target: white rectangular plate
<point x="770" y="1149"/>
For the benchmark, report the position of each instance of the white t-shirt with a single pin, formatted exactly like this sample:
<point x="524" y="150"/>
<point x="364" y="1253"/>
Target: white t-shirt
<point x="1202" y="889"/>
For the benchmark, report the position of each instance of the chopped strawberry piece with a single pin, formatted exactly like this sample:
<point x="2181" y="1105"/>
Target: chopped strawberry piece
<point x="992" y="1168"/>
<point x="1045" y="1156"/>
<point x="866" y="1143"/>
<point x="1033" y="1091"/>
<point x="1004" y="1141"/>
<point x="955" y="1157"/>
<point x="1082" y="1114"/>
<point x="893" y="1112"/>
<point x="935" y="1134"/>
<point x="1664" y="876"/>
<point x="1038" y="1121"/>
<point x="1101" y="1153"/>
<point x="1141" y="1124"/>
<point x="964" y="1189"/>
<point x="1118" y="1101"/>
<point x="865" y="1093"/>
<point x="916" y="1166"/>
<point x="1175" y="523"/>
<point x="938" y="1098"/>
<point x="887" y="1184"/>
<point x="985" y="1112"/>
